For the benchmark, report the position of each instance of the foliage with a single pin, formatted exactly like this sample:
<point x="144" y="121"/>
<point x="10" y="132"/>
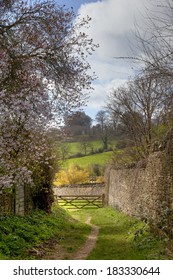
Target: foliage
<point x="96" y="169"/>
<point x="83" y="169"/>
<point x="77" y="123"/>
<point x="76" y="174"/>
<point x="42" y="193"/>
<point x="43" y="73"/>
<point x="160" y="131"/>
<point x="73" y="175"/>
<point x="21" y="237"/>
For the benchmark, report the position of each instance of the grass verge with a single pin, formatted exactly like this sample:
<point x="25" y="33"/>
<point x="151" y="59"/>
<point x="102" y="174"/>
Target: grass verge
<point x="124" y="238"/>
<point x="31" y="237"/>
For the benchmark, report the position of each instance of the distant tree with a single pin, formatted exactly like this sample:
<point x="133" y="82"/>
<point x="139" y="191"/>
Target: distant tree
<point x="78" y="123"/>
<point x="64" y="150"/>
<point x="84" y="145"/>
<point x="104" y="127"/>
<point x="136" y="105"/>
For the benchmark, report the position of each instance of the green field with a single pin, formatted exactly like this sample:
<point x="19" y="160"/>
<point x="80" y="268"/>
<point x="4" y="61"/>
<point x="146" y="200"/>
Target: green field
<point x="101" y="159"/>
<point x="75" y="147"/>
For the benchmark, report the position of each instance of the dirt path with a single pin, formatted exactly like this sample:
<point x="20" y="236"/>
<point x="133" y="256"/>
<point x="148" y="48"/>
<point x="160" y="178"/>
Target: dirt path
<point x="89" y="245"/>
<point x="59" y="253"/>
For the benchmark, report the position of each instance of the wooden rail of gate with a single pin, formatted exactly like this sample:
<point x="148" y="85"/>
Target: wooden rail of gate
<point x="80" y="201"/>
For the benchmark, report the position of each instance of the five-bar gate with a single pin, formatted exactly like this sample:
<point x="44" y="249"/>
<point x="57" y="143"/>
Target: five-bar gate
<point x="80" y="201"/>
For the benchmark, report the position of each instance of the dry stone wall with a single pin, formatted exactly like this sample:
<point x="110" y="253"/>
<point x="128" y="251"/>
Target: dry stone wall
<point x="144" y="192"/>
<point x="88" y="189"/>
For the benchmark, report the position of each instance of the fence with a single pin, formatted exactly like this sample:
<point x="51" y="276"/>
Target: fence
<point x="80" y="201"/>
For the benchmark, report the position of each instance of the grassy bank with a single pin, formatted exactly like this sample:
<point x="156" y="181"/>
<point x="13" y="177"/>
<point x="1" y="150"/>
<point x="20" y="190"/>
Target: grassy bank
<point x="124" y="238"/>
<point x="32" y="236"/>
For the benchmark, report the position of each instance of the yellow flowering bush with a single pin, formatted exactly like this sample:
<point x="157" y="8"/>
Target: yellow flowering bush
<point x="74" y="175"/>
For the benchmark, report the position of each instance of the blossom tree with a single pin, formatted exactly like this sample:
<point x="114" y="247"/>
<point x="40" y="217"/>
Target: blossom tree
<point x="43" y="74"/>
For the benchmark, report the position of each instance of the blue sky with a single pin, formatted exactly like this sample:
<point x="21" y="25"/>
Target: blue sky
<point x="112" y="27"/>
<point x="74" y="3"/>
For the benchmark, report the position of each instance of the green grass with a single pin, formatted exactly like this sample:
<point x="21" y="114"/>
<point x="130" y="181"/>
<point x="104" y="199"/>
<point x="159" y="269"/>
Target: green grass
<point x="101" y="159"/>
<point x="19" y="235"/>
<point x="74" y="147"/>
<point x="122" y="237"/>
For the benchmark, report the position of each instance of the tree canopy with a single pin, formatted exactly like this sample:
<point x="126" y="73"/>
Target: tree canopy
<point x="77" y="123"/>
<point x="43" y="72"/>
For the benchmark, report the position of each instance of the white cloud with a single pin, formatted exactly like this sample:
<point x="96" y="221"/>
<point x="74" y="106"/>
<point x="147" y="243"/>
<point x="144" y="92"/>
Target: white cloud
<point x="102" y="90"/>
<point x="100" y="94"/>
<point x="111" y="27"/>
<point x="112" y="24"/>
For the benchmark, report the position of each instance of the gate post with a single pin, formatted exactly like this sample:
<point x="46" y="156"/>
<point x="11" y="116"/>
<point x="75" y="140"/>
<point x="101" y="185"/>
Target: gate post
<point x="20" y="200"/>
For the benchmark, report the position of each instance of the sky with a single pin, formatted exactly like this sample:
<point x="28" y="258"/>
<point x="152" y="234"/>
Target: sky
<point x="112" y="27"/>
<point x="75" y="3"/>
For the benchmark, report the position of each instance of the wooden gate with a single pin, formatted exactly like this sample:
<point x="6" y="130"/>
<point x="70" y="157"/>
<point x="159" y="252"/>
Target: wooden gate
<point x="80" y="201"/>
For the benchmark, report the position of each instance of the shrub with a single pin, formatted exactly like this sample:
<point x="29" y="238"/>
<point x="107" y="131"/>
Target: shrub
<point x="96" y="170"/>
<point x="100" y="179"/>
<point x="42" y="193"/>
<point x="126" y="158"/>
<point x="100" y="150"/>
<point x="74" y="175"/>
<point x="43" y="175"/>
